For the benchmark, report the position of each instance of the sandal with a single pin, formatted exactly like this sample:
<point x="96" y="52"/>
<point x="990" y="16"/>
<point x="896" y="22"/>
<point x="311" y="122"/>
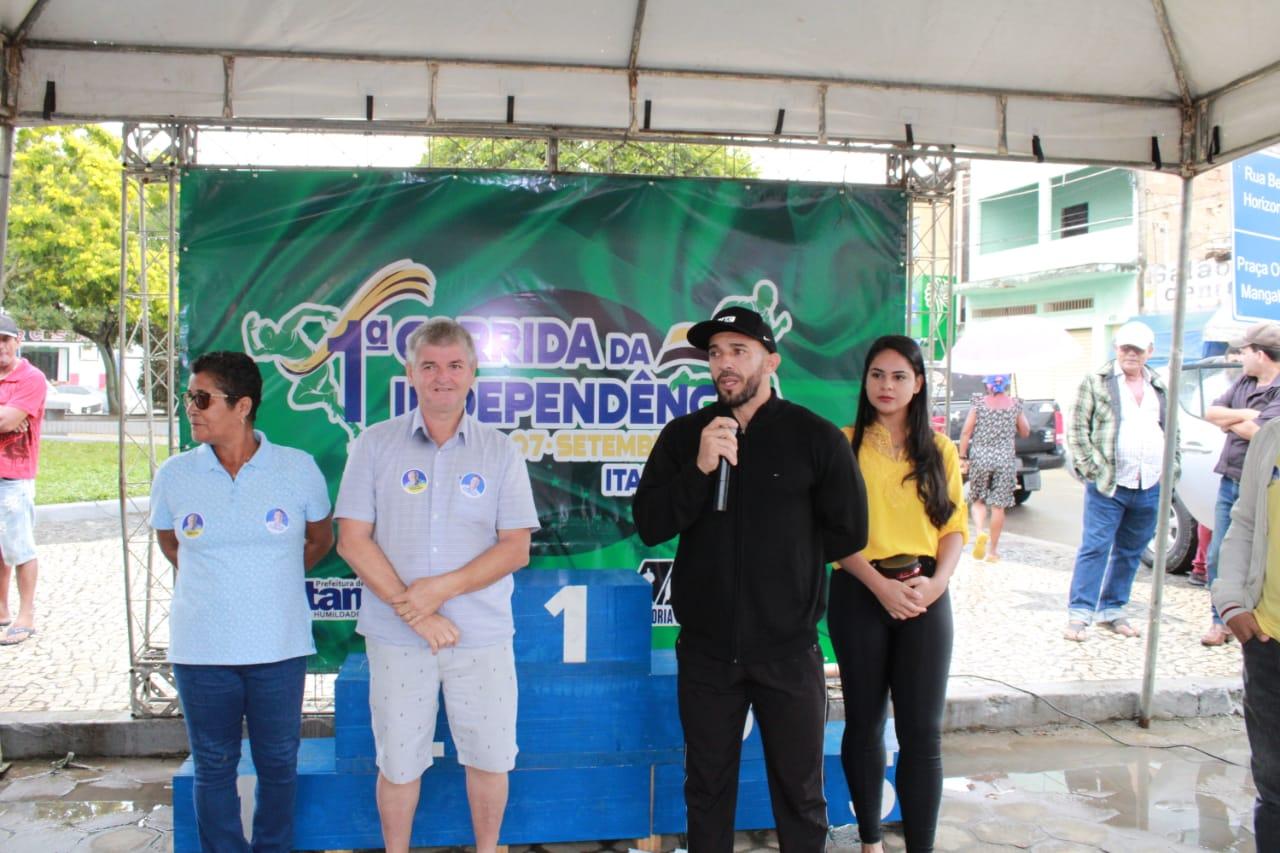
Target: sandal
<point x="16" y="634"/>
<point x="980" y="546"/>
<point x="993" y="557"/>
<point x="1075" y="631"/>
<point x="1122" y="627"/>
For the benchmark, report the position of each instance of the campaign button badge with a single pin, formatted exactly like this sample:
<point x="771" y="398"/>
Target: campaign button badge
<point x="192" y="525"/>
<point x="471" y="484"/>
<point x="277" y="520"/>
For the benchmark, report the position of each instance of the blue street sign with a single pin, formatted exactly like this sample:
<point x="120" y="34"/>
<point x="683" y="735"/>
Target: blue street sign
<point x="1255" y="252"/>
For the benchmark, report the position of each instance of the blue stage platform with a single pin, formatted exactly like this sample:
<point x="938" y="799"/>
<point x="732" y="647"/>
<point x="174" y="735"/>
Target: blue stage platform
<point x="601" y="750"/>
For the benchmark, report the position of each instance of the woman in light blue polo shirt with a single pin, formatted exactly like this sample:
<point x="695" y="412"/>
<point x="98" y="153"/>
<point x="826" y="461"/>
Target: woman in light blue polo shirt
<point x="241" y="520"/>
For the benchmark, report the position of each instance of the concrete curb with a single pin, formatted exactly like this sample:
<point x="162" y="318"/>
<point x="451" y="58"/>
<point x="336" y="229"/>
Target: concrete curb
<point x="89" y="510"/>
<point x="106" y="733"/>
<point x="978" y="704"/>
<point x="52" y="734"/>
<point x="971" y="704"/>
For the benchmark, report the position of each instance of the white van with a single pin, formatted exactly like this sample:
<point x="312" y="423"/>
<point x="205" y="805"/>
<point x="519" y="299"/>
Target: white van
<point x="1200" y="384"/>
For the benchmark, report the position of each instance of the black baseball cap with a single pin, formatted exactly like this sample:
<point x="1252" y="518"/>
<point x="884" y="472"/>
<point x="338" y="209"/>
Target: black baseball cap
<point x="8" y="327"/>
<point x="744" y="321"/>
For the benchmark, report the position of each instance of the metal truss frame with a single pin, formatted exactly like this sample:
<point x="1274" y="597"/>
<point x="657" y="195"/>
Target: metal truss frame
<point x="152" y="158"/>
<point x="928" y="177"/>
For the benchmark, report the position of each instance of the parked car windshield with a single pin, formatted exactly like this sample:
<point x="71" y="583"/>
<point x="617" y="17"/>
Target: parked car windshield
<point x="1203" y="382"/>
<point x="963" y="385"/>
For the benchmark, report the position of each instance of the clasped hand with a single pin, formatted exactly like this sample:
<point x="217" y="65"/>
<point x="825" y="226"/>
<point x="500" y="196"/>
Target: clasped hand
<point x="910" y="598"/>
<point x="438" y="631"/>
<point x="422" y="598"/>
<point x="418" y="606"/>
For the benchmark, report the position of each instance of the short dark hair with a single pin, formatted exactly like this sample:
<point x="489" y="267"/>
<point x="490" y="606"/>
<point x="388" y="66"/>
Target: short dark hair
<point x="235" y="374"/>
<point x="1269" y="352"/>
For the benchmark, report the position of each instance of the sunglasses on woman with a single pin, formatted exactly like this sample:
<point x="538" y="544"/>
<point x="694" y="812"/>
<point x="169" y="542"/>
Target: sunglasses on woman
<point x="201" y="399"/>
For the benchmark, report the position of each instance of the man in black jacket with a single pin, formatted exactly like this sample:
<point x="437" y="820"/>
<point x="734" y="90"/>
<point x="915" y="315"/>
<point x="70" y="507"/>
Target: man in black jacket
<point x="749" y="581"/>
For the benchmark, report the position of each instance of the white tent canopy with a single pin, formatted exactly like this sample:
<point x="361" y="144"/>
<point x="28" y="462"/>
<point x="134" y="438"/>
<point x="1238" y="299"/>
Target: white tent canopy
<point x="1167" y="84"/>
<point x="1084" y="82"/>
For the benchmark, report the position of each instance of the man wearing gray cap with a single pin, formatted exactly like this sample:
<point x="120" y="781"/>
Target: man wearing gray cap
<point x="22" y="393"/>
<point x="1240" y="412"/>
<point x="1117" y="447"/>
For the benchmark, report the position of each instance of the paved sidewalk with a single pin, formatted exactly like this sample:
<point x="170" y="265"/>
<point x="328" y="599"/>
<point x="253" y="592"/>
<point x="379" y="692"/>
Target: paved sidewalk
<point x="1010" y="617"/>
<point x="1009" y="621"/>
<point x="79" y="658"/>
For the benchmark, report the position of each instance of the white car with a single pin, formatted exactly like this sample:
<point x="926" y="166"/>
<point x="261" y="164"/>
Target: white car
<point x="73" y="400"/>
<point x="1200" y="384"/>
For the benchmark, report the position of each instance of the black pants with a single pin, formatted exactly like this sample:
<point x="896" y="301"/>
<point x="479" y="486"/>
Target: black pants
<point x="1262" y="724"/>
<point x="910" y="659"/>
<point x="789" y="698"/>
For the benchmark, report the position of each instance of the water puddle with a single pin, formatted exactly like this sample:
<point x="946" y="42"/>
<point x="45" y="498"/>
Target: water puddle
<point x="78" y="811"/>
<point x="1119" y="794"/>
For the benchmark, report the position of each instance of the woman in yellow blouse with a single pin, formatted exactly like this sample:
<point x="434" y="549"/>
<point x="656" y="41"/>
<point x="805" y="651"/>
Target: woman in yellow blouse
<point x="890" y="614"/>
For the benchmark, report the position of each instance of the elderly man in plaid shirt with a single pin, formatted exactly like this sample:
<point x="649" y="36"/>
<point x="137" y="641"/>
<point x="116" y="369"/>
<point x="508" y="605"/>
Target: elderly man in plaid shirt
<point x="1116" y="443"/>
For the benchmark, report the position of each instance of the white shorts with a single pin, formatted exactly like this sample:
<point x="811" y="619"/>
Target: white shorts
<point x="479" y="699"/>
<point x="17" y="521"/>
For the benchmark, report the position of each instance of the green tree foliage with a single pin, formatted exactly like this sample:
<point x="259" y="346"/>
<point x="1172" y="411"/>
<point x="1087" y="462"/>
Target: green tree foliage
<point x="63" y="258"/>
<point x="592" y="156"/>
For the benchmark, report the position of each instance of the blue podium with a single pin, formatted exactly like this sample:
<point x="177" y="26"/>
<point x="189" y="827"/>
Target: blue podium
<point x="601" y="749"/>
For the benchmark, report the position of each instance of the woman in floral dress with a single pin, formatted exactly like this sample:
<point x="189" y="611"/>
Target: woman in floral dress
<point x="987" y="456"/>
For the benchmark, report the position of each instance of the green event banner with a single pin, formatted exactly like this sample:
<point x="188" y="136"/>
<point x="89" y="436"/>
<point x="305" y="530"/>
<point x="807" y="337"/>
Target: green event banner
<point x="579" y="291"/>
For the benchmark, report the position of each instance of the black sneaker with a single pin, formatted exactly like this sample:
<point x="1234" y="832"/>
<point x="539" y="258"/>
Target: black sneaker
<point x="1198" y="579"/>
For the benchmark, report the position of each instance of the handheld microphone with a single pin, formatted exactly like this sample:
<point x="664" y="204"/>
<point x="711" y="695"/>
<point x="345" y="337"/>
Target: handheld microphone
<point x="722" y="482"/>
<point x="722" y="486"/>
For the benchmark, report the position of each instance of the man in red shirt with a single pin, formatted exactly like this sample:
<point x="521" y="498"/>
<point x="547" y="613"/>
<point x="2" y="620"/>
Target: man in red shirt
<point x="22" y="394"/>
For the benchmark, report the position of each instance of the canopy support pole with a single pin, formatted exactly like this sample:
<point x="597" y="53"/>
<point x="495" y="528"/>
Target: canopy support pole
<point x="8" y="135"/>
<point x="927" y="176"/>
<point x="153" y="157"/>
<point x="1167" y="482"/>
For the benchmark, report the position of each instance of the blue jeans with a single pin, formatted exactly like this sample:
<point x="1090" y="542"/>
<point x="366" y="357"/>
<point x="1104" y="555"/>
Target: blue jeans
<point x="1228" y="494"/>
<point x="216" y="700"/>
<point x="1116" y="530"/>
<point x="1262" y="724"/>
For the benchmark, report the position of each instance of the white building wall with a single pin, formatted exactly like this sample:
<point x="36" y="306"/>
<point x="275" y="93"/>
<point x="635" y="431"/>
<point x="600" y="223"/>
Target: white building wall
<point x="1110" y="246"/>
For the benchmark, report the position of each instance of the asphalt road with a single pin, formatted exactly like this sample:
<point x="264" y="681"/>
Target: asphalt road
<point x="1053" y="513"/>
